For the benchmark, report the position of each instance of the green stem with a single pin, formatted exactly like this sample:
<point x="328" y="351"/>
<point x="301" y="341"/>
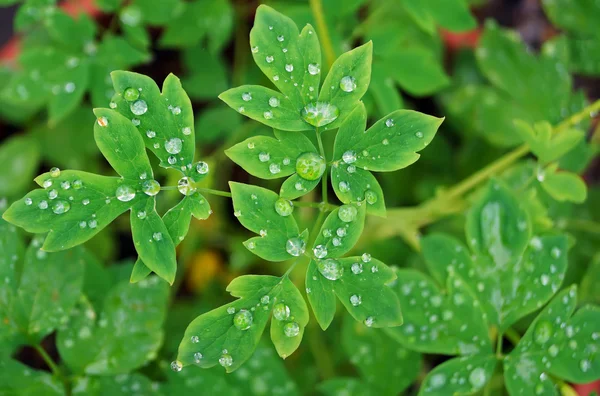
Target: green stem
<point x="48" y="359"/>
<point x="325" y="174"/>
<point x="512" y="336"/>
<point x="214" y="192"/>
<point x="317" y="10"/>
<point x="499" y="345"/>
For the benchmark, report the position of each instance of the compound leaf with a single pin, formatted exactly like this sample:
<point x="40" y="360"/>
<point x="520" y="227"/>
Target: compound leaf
<point x="460" y="376"/>
<point x="564" y="186"/>
<point x="546" y="146"/>
<point x="17" y="378"/>
<point x="229" y="334"/>
<point x="340" y="231"/>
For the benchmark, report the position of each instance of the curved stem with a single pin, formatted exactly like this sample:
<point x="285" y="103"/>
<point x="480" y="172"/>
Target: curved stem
<point x="512" y="336"/>
<point x="49" y="361"/>
<point x="214" y="192"/>
<point x="317" y="10"/>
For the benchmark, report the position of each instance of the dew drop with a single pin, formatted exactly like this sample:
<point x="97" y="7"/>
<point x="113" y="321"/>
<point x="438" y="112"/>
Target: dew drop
<point x="289" y="68"/>
<point x="226" y="360"/>
<point x="281" y="311"/>
<point x="314" y="69"/>
<point x="295" y="246"/>
<point x="151" y="187"/>
<point x="60" y="207"/>
<point x="320" y="251"/>
<point x="125" y="193"/>
<point x="269" y="59"/>
<point x="344" y="186"/>
<point x="369" y="321"/>
<point x="356" y="268"/>
<point x="157" y="236"/>
<point x="243" y="319"/>
<point x="77" y="184"/>
<point x="43" y="205"/>
<point x="330" y="269"/>
<point x="347" y="213"/>
<point x="349" y="157"/>
<point x="185" y="186"/>
<point x="291" y="329"/>
<point x="247" y="96"/>
<point x="131" y="94"/>
<point x="264" y="157"/>
<point x="371" y="197"/>
<point x="268" y="115"/>
<point x="254" y="49"/>
<point x="419" y="135"/>
<point x="478" y="378"/>
<point x="102" y="121"/>
<point x="310" y="166"/>
<point x="366" y="258"/>
<point x="139" y="107"/>
<point x="176" y="366"/>
<point x="273" y="101"/>
<point x="542" y="332"/>
<point x="197" y="357"/>
<point x="348" y="83"/>
<point x="284" y="207"/>
<point x="280" y="38"/>
<point x="202" y="167"/>
<point x="320" y="113"/>
<point x="55" y="172"/>
<point x="28" y="201"/>
<point x="173" y="146"/>
<point x="389" y="123"/>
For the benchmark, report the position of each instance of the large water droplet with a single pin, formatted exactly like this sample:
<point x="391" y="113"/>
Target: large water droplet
<point x="186" y="186"/>
<point x="371" y="197"/>
<point x="314" y="68"/>
<point x="355" y="300"/>
<point x="176" y="366"/>
<point x="281" y="311"/>
<point x="295" y="246"/>
<point x="243" y="319"/>
<point x="284" y="207"/>
<point x="289" y="68"/>
<point x="273" y="102"/>
<point x="247" y="96"/>
<point x="125" y="193"/>
<point x="348" y="83"/>
<point x="60" y="207"/>
<point x="226" y="360"/>
<point x="173" y="146"/>
<point x="347" y="213"/>
<point x="43" y="205"/>
<point x="542" y="332"/>
<point x="291" y="329"/>
<point x="310" y="166"/>
<point x="151" y="187"/>
<point x="320" y="113"/>
<point x="55" y="172"/>
<point x="202" y="167"/>
<point x="157" y="236"/>
<point x="320" y="251"/>
<point x="139" y="107"/>
<point x="264" y="157"/>
<point x="349" y="157"/>
<point x="131" y="94"/>
<point x="330" y="269"/>
<point x="478" y="378"/>
<point x="344" y="186"/>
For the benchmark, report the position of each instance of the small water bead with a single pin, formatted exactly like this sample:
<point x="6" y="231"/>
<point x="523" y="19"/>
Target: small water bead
<point x="150" y="134"/>
<point x="371" y="197"/>
<point x="320" y="251"/>
<point x="173" y="146"/>
<point x="125" y="193"/>
<point x="54" y="172"/>
<point x="28" y="201"/>
<point x="347" y="213"/>
<point x="437" y="380"/>
<point x="349" y="157"/>
<point x="291" y="329"/>
<point x="385" y="142"/>
<point x="82" y="224"/>
<point x="348" y="83"/>
<point x="344" y="186"/>
<point x="172" y="159"/>
<point x="197" y="357"/>
<point x="264" y="300"/>
<point x="264" y="157"/>
<point x="369" y="321"/>
<point x="176" y="366"/>
<point x="555" y="252"/>
<point x="295" y="246"/>
<point x="419" y="135"/>
<point x="185" y="186"/>
<point x="284" y="207"/>
<point x="141" y="215"/>
<point x="157" y="236"/>
<point x="247" y="96"/>
<point x="186" y="131"/>
<point x="280" y="38"/>
<point x="85" y="202"/>
<point x="273" y="101"/>
<point x="195" y="339"/>
<point x="286" y="161"/>
<point x="43" y="205"/>
<point x="320" y="113"/>
<point x="135" y="122"/>
<point x="243" y="319"/>
<point x="284" y="50"/>
<point x="310" y="166"/>
<point x="276" y="78"/>
<point x="289" y="68"/>
<point x="366" y="258"/>
<point x="176" y="110"/>
<point x="254" y="49"/>
<point x="314" y="69"/>
<point x="330" y="269"/>
<point x="298" y="186"/>
<point x="356" y="268"/>
<point x="231" y="310"/>
<point x="389" y="123"/>
<point x="102" y="121"/>
<point x="60" y="207"/>
<point x="355" y="300"/>
<point x="112" y="105"/>
<point x="52" y="194"/>
<point x="341" y="232"/>
<point x="268" y="115"/>
<point x="585" y="365"/>
<point x="139" y="107"/>
<point x="327" y="233"/>
<point x="263" y="233"/>
<point x="151" y="187"/>
<point x="281" y="311"/>
<point x="478" y="378"/>
<point x="77" y="184"/>
<point x="542" y="332"/>
<point x="131" y="94"/>
<point x="269" y="59"/>
<point x="92" y="223"/>
<point x="226" y="360"/>
<point x="336" y="241"/>
<point x="47" y="183"/>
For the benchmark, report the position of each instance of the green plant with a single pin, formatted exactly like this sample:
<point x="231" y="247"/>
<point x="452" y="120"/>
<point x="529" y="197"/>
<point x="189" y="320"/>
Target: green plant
<point x="503" y="284"/>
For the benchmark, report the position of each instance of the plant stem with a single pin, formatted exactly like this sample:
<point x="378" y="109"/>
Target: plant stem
<point x="214" y="192"/>
<point x="499" y="345"/>
<point x="324" y="178"/>
<point x="55" y="369"/>
<point x="512" y="336"/>
<point x="317" y="10"/>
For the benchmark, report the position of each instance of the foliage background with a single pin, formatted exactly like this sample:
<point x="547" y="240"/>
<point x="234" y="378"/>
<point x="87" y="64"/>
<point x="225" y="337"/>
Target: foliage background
<point x="420" y="63"/>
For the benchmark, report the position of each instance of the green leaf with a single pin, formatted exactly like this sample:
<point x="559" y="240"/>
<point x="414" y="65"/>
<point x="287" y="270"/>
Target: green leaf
<point x="295" y="186"/>
<point x="577" y="16"/>
<point x="546" y="146"/>
<point x="41" y="290"/>
<point x="460" y="376"/>
<point x="344" y="386"/>
<point x="560" y="343"/>
<point x="449" y="322"/>
<point x="453" y="15"/>
<point x="564" y="186"/>
<point x="352" y="185"/>
<point x="384" y="92"/>
<point x="361" y="284"/>
<point x="505" y="61"/>
<point x="117" y="385"/>
<point x="340" y="231"/>
<point x="125" y="335"/>
<point x="164" y="120"/>
<point x="93" y="207"/>
<point x="279" y="235"/>
<point x="384" y="365"/>
<point x="216" y="123"/>
<point x="271" y="158"/>
<point x="19" y="379"/>
<point x="153" y="241"/>
<point x="193" y="378"/>
<point x="71" y="33"/>
<point x="20" y="156"/>
<point x="416" y="70"/>
<point x="511" y="272"/>
<point x="390" y="144"/>
<point x="355" y="66"/>
<point x="205" y="78"/>
<point x="158" y="12"/>
<point x="229" y="334"/>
